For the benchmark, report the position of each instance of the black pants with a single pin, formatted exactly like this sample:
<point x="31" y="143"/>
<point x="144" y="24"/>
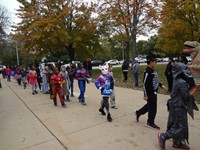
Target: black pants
<point x="177" y="126"/>
<point x="150" y="107"/>
<point x="125" y="75"/>
<point x="105" y="104"/>
<point x="170" y="82"/>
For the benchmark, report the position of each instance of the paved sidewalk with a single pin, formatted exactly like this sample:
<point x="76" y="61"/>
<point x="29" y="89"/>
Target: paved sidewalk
<point x="31" y="122"/>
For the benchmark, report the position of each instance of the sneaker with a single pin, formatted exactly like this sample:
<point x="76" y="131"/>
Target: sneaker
<point x="109" y="117"/>
<point x="161" y="140"/>
<point x="36" y="92"/>
<point x="136" y="116"/>
<point x="72" y="95"/>
<point x="102" y="111"/>
<point x="83" y="103"/>
<point x="182" y="145"/>
<point x="33" y="93"/>
<point x="114" y="107"/>
<point x="64" y="105"/>
<point x="68" y="100"/>
<point x="79" y="99"/>
<point x="153" y="126"/>
<point x="55" y="105"/>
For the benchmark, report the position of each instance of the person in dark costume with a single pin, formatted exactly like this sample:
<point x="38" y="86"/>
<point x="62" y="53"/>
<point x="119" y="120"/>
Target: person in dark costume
<point x="181" y="102"/>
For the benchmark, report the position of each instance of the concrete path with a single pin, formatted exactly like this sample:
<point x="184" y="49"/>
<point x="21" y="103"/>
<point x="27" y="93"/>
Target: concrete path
<point x="31" y="122"/>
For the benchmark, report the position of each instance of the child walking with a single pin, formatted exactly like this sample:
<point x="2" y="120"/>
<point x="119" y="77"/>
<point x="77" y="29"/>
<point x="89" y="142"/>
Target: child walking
<point x="55" y="81"/>
<point x="33" y="80"/>
<point x="105" y="83"/>
<point x="24" y="77"/>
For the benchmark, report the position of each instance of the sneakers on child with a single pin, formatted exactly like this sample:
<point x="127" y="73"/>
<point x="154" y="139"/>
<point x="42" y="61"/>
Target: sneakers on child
<point x="153" y="126"/>
<point x="136" y="116"/>
<point x="181" y="145"/>
<point x="64" y="105"/>
<point x="114" y="107"/>
<point x="161" y="140"/>
<point x="109" y="118"/>
<point x="102" y="111"/>
<point x="83" y="103"/>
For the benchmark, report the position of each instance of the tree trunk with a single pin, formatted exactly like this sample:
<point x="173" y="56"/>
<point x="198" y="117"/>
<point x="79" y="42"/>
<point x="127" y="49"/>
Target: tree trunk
<point x="127" y="50"/>
<point x="71" y="52"/>
<point x="134" y="29"/>
<point x="134" y="45"/>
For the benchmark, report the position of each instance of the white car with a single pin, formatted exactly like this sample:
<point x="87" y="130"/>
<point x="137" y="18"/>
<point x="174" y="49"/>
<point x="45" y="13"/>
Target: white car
<point x="166" y="59"/>
<point x="112" y="62"/>
<point x="141" y="60"/>
<point x="2" y="67"/>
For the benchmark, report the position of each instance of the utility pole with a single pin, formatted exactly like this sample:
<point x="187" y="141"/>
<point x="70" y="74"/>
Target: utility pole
<point x="17" y="53"/>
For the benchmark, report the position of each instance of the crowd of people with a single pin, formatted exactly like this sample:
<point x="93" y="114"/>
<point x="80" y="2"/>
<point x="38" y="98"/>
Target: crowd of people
<point x="60" y="81"/>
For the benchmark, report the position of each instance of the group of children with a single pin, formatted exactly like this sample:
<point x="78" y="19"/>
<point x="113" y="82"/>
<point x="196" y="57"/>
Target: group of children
<point x="60" y="81"/>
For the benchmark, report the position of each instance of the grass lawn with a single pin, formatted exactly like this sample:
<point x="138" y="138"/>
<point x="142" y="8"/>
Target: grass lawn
<point x="118" y="76"/>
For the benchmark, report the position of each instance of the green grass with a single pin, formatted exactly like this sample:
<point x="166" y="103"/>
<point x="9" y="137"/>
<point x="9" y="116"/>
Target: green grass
<point x="118" y="76"/>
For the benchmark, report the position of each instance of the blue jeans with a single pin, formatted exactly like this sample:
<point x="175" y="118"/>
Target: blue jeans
<point x="82" y="87"/>
<point x="136" y="79"/>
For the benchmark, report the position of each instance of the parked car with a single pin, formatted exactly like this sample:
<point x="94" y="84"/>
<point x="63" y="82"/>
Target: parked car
<point x="121" y="61"/>
<point x="112" y="62"/>
<point x="141" y="60"/>
<point x="97" y="62"/>
<point x="159" y="59"/>
<point x="67" y="65"/>
<point x="2" y="67"/>
<point x="165" y="59"/>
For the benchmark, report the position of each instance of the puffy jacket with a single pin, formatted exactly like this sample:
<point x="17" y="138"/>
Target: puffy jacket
<point x="105" y="83"/>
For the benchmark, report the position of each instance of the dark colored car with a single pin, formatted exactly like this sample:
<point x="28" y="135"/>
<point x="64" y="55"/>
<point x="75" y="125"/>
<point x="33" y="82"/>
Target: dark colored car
<point x="97" y="62"/>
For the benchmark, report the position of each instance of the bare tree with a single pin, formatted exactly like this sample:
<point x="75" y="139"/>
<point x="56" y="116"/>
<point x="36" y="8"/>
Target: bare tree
<point x="4" y="20"/>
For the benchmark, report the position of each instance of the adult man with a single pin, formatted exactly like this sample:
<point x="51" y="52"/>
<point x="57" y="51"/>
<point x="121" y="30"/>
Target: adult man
<point x="125" y="66"/>
<point x="135" y="70"/>
<point x="151" y="85"/>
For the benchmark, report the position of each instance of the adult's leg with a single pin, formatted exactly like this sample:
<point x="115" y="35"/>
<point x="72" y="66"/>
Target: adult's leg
<point x="136" y="79"/>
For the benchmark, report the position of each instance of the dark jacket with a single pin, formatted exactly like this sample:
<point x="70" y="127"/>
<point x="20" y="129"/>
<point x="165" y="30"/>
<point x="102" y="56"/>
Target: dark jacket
<point x="168" y="70"/>
<point x="150" y="81"/>
<point x="125" y="65"/>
